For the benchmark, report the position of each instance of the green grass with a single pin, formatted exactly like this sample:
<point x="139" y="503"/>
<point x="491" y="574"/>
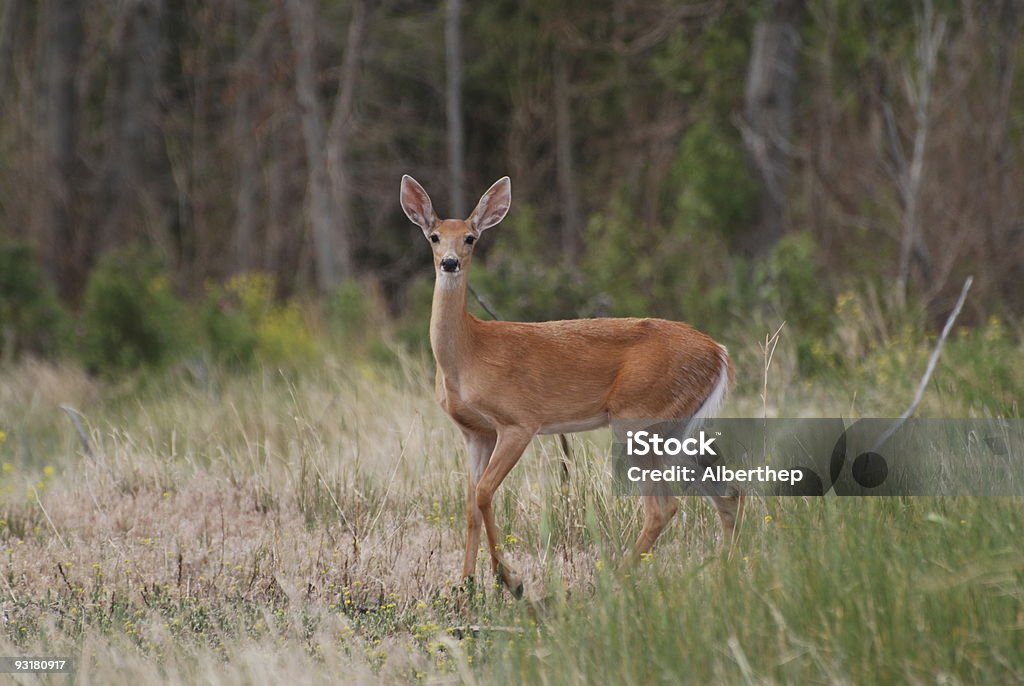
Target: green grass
<point x="308" y="526"/>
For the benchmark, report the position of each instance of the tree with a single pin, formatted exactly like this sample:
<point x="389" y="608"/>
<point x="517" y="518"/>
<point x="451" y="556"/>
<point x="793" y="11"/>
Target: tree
<point x="768" y="113"/>
<point x="453" y="100"/>
<point x="60" y="114"/>
<point x="326" y="151"/>
<point x="569" y="200"/>
<point x="131" y="176"/>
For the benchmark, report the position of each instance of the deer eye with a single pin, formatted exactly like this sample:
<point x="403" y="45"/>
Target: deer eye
<point x="434" y="238"/>
<point x="470" y="240"/>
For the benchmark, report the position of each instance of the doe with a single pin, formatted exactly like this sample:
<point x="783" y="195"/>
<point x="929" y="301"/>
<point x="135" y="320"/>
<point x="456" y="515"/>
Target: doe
<point x="505" y="382"/>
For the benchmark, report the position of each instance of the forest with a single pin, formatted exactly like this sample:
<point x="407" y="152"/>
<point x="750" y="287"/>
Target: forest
<point x="688" y="160"/>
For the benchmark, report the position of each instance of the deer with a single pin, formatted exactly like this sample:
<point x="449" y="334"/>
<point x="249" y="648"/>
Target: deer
<point x="503" y="383"/>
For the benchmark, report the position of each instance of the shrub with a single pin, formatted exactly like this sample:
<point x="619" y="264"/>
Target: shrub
<point x="792" y="283"/>
<point x="244" y="323"/>
<point x="412" y="330"/>
<point x="31" y="318"/>
<point x="718" y="194"/>
<point x="131" y="316"/>
<point x="349" y="310"/>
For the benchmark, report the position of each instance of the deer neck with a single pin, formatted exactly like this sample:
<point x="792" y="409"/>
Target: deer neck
<point x="451" y="335"/>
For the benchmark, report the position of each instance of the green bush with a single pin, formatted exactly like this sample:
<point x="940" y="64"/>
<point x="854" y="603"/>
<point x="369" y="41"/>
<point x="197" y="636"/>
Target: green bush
<point x="513" y="277"/>
<point x="984" y="368"/>
<point x="412" y="329"/>
<point x="718" y="193"/>
<point x="349" y="310"/>
<point x="31" y="318"/>
<point x="244" y="323"/>
<point x="230" y="334"/>
<point x="792" y="283"/>
<point x="795" y="283"/>
<point x="131" y="316"/>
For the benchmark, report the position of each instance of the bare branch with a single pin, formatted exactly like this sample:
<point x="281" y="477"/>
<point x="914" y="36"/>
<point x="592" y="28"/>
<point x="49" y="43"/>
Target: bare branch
<point x="83" y="437"/>
<point x="932" y="362"/>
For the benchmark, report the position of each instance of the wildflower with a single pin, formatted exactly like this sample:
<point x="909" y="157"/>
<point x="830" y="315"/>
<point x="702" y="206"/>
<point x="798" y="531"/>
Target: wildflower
<point x="48" y="471"/>
<point x="3" y="436"/>
<point x="768" y="519"/>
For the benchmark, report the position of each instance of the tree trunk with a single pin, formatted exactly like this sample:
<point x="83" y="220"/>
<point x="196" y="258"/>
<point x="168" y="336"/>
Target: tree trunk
<point x="456" y="129"/>
<point x="569" y="200"/>
<point x="244" y="243"/>
<point x="133" y="145"/>
<point x="303" y="34"/>
<point x="9" y="20"/>
<point x="329" y="191"/>
<point x="60" y="115"/>
<point x="919" y="86"/>
<point x="768" y="114"/>
<point x="339" y="134"/>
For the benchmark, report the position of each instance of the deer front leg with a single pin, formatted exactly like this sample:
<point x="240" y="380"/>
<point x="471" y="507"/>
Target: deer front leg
<point x="509" y="448"/>
<point x="478" y="448"/>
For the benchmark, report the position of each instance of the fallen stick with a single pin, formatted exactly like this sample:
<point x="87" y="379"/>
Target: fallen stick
<point x="73" y="415"/>
<point x="933" y="361"/>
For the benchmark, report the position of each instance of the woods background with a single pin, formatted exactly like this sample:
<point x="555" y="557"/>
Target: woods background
<point x="689" y="160"/>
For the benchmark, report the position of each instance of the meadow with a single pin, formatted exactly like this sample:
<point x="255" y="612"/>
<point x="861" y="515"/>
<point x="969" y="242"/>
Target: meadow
<point x="304" y="524"/>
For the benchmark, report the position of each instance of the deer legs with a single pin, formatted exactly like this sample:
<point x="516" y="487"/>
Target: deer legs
<point x="508" y="448"/>
<point x="479" y="448"/>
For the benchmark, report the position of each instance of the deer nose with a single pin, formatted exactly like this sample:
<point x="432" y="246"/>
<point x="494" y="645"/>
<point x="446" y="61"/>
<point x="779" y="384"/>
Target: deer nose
<point x="449" y="263"/>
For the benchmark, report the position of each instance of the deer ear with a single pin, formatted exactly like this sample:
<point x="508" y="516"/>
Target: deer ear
<point x="493" y="205"/>
<point x="416" y="204"/>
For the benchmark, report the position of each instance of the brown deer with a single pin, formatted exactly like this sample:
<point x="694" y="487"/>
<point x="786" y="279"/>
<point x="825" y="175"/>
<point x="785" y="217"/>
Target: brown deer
<point x="503" y="383"/>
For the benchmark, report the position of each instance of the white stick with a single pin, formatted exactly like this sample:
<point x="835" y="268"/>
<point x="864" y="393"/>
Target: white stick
<point x="932" y="362"/>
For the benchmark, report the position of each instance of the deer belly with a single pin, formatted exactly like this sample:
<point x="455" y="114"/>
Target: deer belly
<point x="575" y="425"/>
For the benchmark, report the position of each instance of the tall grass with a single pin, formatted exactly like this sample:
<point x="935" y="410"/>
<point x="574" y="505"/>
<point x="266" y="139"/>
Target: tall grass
<point x="307" y="526"/>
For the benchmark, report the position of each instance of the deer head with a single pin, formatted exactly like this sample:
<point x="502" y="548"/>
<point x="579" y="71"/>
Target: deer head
<point x="452" y="240"/>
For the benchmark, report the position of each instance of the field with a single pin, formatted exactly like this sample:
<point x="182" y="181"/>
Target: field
<point x="306" y="526"/>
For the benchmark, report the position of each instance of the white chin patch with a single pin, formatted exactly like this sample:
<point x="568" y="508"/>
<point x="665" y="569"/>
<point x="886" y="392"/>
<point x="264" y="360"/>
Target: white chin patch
<point x="448" y="279"/>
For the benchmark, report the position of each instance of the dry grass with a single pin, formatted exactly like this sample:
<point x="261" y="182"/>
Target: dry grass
<point x="308" y="526"/>
<point x="263" y="505"/>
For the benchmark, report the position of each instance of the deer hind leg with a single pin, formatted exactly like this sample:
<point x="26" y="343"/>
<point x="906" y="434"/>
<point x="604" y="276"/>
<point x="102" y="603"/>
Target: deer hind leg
<point x="478" y="448"/>
<point x="509" y="448"/>
<point x="658" y="512"/>
<point x="730" y="510"/>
